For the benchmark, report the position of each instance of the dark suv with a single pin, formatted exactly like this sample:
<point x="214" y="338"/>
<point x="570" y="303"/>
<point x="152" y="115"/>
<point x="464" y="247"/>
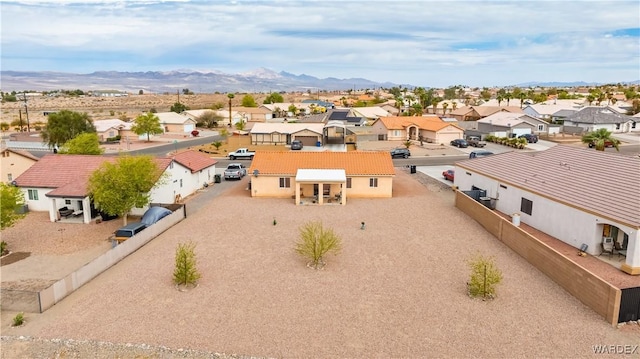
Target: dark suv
<point x="400" y="152"/>
<point x="460" y="143"/>
<point x="531" y="138"/>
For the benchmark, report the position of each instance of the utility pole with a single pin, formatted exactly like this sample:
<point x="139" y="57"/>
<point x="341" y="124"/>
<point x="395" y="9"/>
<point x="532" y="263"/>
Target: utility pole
<point x="20" y="115"/>
<point x="178" y="92"/>
<point x="26" y="111"/>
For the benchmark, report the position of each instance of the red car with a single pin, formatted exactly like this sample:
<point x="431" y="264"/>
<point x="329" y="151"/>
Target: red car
<point x="448" y="175"/>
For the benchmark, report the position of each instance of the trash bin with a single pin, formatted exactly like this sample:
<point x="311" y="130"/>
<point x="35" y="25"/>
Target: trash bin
<point x="318" y="144"/>
<point x="413" y="168"/>
<point x="217" y="178"/>
<point x="486" y="201"/>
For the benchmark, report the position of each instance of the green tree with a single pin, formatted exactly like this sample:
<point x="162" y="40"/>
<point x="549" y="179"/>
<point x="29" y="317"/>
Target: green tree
<point x="316" y="241"/>
<point x="12" y="199"/>
<point x="117" y="187"/>
<point x="4" y="126"/>
<point x="209" y="119"/>
<point x="240" y="125"/>
<point x="485" y="94"/>
<point x="485" y="276"/>
<point x="148" y="124"/>
<point x="599" y="138"/>
<point x="274" y="97"/>
<point x="179" y="107"/>
<point x="293" y="109"/>
<point x="185" y="271"/>
<point x="249" y="101"/>
<point x="83" y="144"/>
<point x="65" y="125"/>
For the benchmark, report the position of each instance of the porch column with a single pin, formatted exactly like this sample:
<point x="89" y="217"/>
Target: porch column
<point x="297" y="193"/>
<point x="86" y="210"/>
<point x="632" y="262"/>
<point x="343" y="194"/>
<point x="320" y="193"/>
<point x="53" y="211"/>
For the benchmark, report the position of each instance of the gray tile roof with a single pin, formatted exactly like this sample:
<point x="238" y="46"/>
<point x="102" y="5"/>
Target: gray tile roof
<point x="597" y="115"/>
<point x="603" y="183"/>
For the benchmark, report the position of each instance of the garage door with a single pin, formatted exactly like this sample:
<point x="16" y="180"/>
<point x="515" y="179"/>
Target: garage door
<point x="521" y="131"/>
<point x="188" y="128"/>
<point x="307" y="140"/>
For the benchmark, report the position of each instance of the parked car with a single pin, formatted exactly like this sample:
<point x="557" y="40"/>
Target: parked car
<point x="475" y="141"/>
<point x="531" y="138"/>
<point x="129" y="231"/>
<point x="480" y="154"/>
<point x="296" y="145"/>
<point x="235" y="171"/>
<point x="448" y="175"/>
<point x="460" y="143"/>
<point x="606" y="144"/>
<point x="400" y="152"/>
<point x="154" y="214"/>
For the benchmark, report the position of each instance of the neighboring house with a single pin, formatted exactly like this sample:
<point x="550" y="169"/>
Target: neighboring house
<point x="548" y="112"/>
<point x="223" y="114"/>
<point x="474" y="113"/>
<point x="370" y="114"/>
<point x="175" y="122"/>
<point x="254" y="114"/>
<point x="566" y="192"/>
<point x="343" y="115"/>
<point x="391" y="109"/>
<point x="430" y="127"/>
<point x="508" y="124"/>
<point x="201" y="171"/>
<point x="283" y="133"/>
<point x="58" y="181"/>
<point x="14" y="163"/>
<point x="322" y="176"/>
<point x="114" y="127"/>
<point x="593" y="118"/>
<point x="281" y="109"/>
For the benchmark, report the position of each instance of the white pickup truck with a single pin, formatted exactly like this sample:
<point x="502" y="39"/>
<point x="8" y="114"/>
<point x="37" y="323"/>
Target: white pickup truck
<point x="475" y="141"/>
<point x="241" y="153"/>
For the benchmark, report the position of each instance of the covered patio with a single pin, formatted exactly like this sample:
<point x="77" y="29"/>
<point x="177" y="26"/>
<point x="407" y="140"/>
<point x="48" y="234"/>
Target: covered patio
<point x="326" y="185"/>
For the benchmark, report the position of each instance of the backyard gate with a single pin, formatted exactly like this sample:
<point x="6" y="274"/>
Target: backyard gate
<point x="629" y="305"/>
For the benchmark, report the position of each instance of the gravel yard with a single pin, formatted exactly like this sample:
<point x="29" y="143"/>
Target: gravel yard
<point x="397" y="289"/>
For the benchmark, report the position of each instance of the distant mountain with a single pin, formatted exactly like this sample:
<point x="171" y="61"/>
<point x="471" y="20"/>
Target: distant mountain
<point x="569" y="84"/>
<point x="259" y="80"/>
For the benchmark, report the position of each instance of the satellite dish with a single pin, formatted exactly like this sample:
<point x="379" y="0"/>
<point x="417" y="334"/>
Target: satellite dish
<point x="255" y="173"/>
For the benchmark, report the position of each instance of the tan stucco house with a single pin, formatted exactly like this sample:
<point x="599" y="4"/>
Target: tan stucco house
<point x="14" y="163"/>
<point x="321" y="177"/>
<point x="106" y="129"/>
<point x="430" y="128"/>
<point x="175" y="122"/>
<point x="265" y="133"/>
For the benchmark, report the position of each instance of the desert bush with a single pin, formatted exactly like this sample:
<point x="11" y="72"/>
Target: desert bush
<point x="3" y="248"/>
<point x="18" y="320"/>
<point x="217" y="145"/>
<point x="407" y="143"/>
<point x="185" y="271"/>
<point x="485" y="276"/>
<point x="315" y="241"/>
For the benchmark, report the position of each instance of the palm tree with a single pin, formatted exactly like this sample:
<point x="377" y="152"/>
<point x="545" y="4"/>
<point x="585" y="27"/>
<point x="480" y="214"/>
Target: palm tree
<point x="522" y="97"/>
<point x="508" y="96"/>
<point x="600" y="138"/>
<point x="500" y="99"/>
<point x="230" y="96"/>
<point x="444" y="108"/>
<point x="434" y="104"/>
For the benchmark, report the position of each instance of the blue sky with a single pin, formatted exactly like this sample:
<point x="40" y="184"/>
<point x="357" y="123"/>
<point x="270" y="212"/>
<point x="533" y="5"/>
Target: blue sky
<point x="422" y="43"/>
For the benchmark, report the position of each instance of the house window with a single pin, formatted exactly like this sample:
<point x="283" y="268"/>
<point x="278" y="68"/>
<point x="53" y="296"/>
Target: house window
<point x="348" y="182"/>
<point x="33" y="194"/>
<point x="9" y="177"/>
<point x="633" y="124"/>
<point x="540" y="128"/>
<point x="5" y="154"/>
<point x="180" y="182"/>
<point x="112" y="134"/>
<point x="67" y="201"/>
<point x="171" y="165"/>
<point x="526" y="206"/>
<point x="373" y="182"/>
<point x="285" y="182"/>
<point x="396" y="133"/>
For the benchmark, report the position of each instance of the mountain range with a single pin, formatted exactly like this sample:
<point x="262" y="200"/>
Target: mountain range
<point x="260" y="80"/>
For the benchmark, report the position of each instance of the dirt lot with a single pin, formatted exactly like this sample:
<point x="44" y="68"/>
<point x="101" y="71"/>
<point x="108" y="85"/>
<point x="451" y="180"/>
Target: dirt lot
<point x="397" y="289"/>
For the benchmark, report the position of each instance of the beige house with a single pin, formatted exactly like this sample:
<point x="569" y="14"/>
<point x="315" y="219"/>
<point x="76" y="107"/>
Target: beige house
<point x="321" y="177"/>
<point x="175" y="122"/>
<point x="106" y="129"/>
<point x="14" y="163"/>
<point x="474" y="113"/>
<point x="283" y="133"/>
<point x="430" y="128"/>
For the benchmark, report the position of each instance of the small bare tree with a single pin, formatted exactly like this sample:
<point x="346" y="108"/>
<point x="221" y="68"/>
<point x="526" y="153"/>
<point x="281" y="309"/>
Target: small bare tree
<point x="185" y="272"/>
<point x="315" y="241"/>
<point x="485" y="276"/>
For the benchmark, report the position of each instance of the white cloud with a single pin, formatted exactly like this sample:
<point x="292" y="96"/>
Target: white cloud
<point x="424" y="43"/>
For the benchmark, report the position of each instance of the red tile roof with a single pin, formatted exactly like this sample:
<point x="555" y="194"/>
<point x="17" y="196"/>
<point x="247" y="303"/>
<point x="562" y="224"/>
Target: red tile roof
<point x="594" y="181"/>
<point x="68" y="174"/>
<point x="355" y="163"/>
<point x="194" y="160"/>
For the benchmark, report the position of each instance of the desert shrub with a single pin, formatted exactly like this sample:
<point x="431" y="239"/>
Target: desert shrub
<point x="217" y="144"/>
<point x="185" y="271"/>
<point x="407" y="143"/>
<point x="315" y="241"/>
<point x="18" y="320"/>
<point x="485" y="276"/>
<point x="3" y="248"/>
